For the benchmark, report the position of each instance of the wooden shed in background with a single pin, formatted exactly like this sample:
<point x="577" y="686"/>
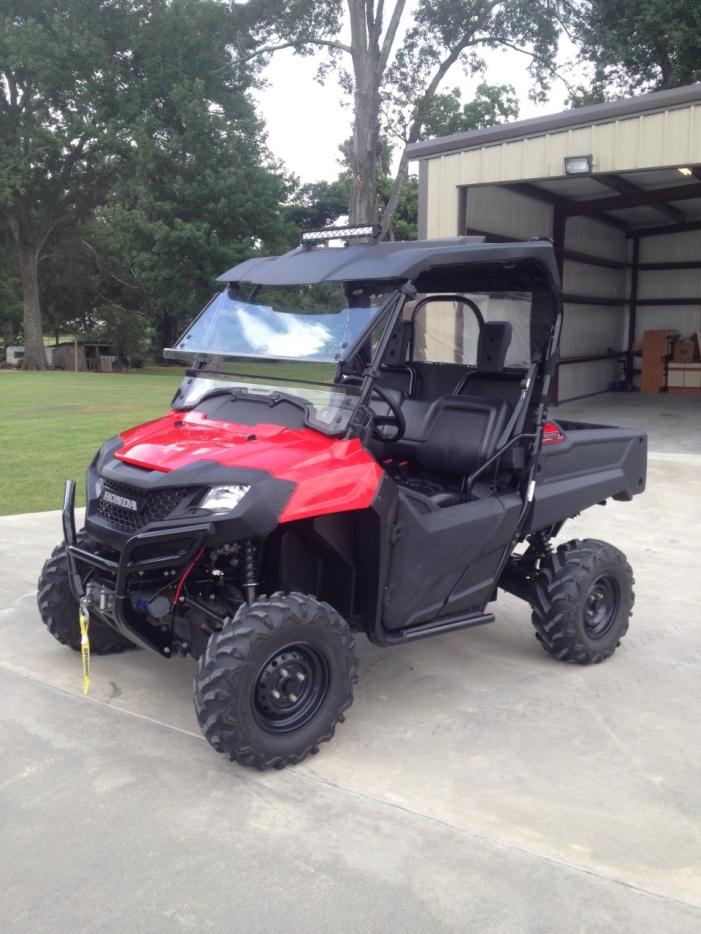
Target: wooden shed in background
<point x="80" y="356"/>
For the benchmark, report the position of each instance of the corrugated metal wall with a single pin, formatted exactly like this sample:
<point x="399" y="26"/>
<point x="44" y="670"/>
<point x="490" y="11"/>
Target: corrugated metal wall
<point x="592" y="329"/>
<point x="504" y="212"/>
<point x="686" y="283"/>
<point x="653" y="140"/>
<point x="587" y="329"/>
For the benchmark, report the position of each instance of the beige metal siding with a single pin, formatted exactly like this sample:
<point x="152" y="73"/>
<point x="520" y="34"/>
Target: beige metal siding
<point x="592" y="329"/>
<point x="592" y="236"/>
<point x="504" y="212"/>
<point x="681" y="283"/>
<point x="586" y="379"/>
<point x="667" y="138"/>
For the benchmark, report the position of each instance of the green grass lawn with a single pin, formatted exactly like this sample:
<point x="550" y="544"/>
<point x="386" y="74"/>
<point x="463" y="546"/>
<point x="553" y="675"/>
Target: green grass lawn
<point x="53" y="422"/>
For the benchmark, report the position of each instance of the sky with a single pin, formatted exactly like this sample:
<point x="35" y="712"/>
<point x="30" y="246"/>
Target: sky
<point x="307" y="122"/>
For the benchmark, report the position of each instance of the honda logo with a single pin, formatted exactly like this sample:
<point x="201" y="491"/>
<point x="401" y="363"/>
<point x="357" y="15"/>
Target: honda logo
<point x="123" y="501"/>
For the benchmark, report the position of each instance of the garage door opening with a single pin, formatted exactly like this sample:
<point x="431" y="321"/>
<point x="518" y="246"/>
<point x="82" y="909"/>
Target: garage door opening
<point x="617" y="187"/>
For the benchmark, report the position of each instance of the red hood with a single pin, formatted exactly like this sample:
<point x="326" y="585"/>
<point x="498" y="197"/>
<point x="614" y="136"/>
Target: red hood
<point x="330" y="475"/>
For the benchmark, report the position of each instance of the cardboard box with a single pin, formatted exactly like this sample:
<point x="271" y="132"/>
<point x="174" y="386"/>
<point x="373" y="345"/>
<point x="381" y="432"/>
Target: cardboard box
<point x="684" y="351"/>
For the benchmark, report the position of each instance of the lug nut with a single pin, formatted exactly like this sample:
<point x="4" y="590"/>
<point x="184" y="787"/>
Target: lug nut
<point x="300" y="676"/>
<point x="276" y="695"/>
<point x="292" y="697"/>
<point x="284" y="673"/>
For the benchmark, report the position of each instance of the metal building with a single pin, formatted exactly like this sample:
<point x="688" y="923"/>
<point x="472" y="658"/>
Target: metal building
<point x="617" y="187"/>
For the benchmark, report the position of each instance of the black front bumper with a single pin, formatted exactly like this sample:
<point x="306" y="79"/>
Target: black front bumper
<point x="186" y="541"/>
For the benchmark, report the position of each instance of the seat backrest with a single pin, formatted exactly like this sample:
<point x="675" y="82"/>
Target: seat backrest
<point x="398" y="344"/>
<point x="452" y="436"/>
<point x="489" y="379"/>
<point x="434" y="380"/>
<point x="460" y="433"/>
<point x="505" y="385"/>
<point x="493" y="345"/>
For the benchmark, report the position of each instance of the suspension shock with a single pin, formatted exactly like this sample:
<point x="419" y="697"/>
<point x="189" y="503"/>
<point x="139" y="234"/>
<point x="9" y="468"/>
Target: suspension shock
<point x="250" y="571"/>
<point x="541" y="543"/>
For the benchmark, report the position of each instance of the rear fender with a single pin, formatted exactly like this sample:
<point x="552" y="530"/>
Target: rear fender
<point x="590" y="465"/>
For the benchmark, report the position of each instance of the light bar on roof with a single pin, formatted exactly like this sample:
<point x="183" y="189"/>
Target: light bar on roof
<point x="340" y="233"/>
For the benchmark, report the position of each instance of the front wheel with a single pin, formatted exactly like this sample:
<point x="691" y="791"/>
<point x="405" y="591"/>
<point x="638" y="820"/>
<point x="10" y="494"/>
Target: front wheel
<point x="582" y="600"/>
<point x="59" y="609"/>
<point x="275" y="681"/>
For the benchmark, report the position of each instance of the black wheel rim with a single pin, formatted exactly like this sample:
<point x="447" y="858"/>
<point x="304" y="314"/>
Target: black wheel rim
<point x="290" y="688"/>
<point x="601" y="606"/>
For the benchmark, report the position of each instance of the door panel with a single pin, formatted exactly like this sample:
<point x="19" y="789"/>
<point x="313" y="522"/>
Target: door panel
<point x="443" y="560"/>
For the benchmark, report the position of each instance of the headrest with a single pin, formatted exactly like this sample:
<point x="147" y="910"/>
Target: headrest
<point x="399" y="339"/>
<point x="494" y="341"/>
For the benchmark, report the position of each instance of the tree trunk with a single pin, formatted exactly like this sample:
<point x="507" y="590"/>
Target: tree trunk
<point x="362" y="207"/>
<point x="167" y="329"/>
<point x="365" y="30"/>
<point x="393" y="202"/>
<point x="8" y="333"/>
<point x="34" y="353"/>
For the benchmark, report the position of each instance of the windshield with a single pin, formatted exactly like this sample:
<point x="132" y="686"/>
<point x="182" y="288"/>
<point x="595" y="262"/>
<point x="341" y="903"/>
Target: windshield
<point x="281" y="347"/>
<point x="321" y="322"/>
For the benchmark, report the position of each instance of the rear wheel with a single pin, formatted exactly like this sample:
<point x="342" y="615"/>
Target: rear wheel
<point x="59" y="609"/>
<point x="582" y="601"/>
<point x="274" y="682"/>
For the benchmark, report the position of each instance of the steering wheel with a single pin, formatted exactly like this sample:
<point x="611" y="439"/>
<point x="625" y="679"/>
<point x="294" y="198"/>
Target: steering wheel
<point x="395" y="418"/>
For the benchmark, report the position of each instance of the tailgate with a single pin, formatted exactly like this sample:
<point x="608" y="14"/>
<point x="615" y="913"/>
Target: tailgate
<point x="582" y="465"/>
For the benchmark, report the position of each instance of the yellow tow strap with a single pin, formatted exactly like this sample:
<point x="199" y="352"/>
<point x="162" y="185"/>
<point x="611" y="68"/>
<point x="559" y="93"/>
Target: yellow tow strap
<point x="84" y="621"/>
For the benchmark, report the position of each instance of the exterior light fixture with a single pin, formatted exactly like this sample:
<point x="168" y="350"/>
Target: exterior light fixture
<point x="578" y="165"/>
<point x="685" y="171"/>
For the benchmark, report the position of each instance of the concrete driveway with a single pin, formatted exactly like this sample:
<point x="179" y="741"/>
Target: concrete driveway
<point x="477" y="786"/>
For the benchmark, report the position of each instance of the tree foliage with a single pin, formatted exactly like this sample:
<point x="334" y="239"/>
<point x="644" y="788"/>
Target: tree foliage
<point x="201" y="191"/>
<point x="635" y="47"/>
<point x="128" y="127"/>
<point x="490" y="105"/>
<point x="61" y="67"/>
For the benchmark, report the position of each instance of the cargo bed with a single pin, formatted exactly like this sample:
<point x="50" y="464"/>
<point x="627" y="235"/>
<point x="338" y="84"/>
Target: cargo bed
<point x="590" y="464"/>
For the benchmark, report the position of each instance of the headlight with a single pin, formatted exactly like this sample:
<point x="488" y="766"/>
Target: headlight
<point x="223" y="498"/>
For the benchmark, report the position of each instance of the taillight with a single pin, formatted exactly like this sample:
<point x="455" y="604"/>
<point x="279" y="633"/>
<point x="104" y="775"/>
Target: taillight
<point x="552" y="434"/>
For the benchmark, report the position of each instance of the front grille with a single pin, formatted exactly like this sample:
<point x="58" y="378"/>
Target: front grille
<point x="154" y="506"/>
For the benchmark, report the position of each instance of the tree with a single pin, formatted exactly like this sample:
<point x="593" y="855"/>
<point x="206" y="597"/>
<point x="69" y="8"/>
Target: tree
<point x="637" y="47"/>
<point x="490" y="105"/>
<point x="127" y="127"/>
<point x="200" y="191"/>
<point x="60" y="68"/>
<point x="10" y="291"/>
<point x="402" y="72"/>
<point x="126" y="331"/>
<point x="321" y="203"/>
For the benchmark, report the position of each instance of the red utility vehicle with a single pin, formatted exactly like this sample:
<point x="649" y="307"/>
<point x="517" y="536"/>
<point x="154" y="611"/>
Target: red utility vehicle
<point x="361" y="444"/>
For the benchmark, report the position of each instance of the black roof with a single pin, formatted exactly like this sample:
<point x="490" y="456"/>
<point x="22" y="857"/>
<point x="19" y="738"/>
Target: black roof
<point x="388" y="261"/>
